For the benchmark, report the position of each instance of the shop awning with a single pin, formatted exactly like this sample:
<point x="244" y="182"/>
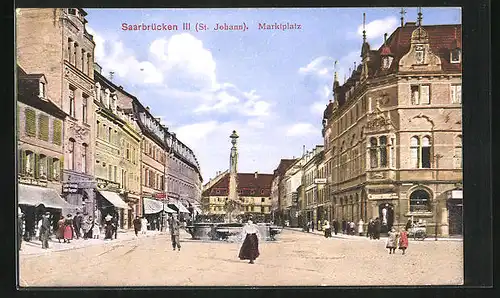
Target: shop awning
<point x="114" y="199"/>
<point x="154" y="206"/>
<point x="36" y="195"/>
<point x="180" y="207"/>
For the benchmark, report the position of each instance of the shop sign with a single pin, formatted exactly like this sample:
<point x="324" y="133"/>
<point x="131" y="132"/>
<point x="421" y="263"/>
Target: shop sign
<point x="70" y="188"/>
<point x="320" y="181"/>
<point x="31" y="181"/>
<point x="105" y="184"/>
<point x="160" y="196"/>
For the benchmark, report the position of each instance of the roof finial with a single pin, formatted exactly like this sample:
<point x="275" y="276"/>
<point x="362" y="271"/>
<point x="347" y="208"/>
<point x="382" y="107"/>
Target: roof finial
<point x="364" y="31"/>
<point x="349" y="71"/>
<point x="335" y="71"/>
<point x="385" y="38"/>
<point x="355" y="65"/>
<point x="402" y="12"/>
<point x="419" y="19"/>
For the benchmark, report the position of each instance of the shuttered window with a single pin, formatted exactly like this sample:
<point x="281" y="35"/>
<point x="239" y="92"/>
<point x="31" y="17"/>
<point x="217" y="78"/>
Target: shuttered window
<point x="57" y="132"/>
<point x="30" y="122"/>
<point x="425" y="94"/>
<point x="50" y="168"/>
<point x="43" y="127"/>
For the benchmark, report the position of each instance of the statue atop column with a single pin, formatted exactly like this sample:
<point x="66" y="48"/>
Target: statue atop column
<point x="232" y="205"/>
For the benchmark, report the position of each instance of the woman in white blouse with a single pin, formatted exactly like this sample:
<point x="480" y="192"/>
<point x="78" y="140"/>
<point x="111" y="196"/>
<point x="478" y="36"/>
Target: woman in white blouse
<point x="250" y="247"/>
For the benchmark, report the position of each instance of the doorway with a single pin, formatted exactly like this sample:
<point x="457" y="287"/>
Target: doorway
<point x="455" y="219"/>
<point x="386" y="216"/>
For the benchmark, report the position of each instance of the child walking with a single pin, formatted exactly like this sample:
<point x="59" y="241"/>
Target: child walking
<point x="403" y="240"/>
<point x="392" y="241"/>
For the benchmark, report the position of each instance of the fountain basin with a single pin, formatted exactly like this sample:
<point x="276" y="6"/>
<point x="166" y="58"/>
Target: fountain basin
<point x="229" y="231"/>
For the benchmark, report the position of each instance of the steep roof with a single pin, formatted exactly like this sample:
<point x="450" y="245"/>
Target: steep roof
<point x="259" y="183"/>
<point x="283" y="166"/>
<point x="442" y="39"/>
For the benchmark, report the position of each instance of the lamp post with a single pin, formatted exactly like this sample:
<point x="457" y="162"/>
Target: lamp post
<point x="169" y="153"/>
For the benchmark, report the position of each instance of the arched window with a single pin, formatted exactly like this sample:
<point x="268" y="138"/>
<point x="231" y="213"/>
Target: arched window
<point x="383" y="151"/>
<point x="373" y="153"/>
<point x="426" y="152"/>
<point x="458" y="153"/>
<point x="84" y="157"/>
<point x="71" y="161"/>
<point x="420" y="201"/>
<point x="415" y="152"/>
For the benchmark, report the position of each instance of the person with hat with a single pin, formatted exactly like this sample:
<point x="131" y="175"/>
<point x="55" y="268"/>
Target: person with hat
<point x="60" y="229"/>
<point x="45" y="230"/>
<point x="137" y="225"/>
<point x="174" y="226"/>
<point x="250" y="248"/>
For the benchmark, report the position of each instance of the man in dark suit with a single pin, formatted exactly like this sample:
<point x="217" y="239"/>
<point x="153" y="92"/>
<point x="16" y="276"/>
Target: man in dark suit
<point x="45" y="230"/>
<point x="174" y="226"/>
<point x="77" y="224"/>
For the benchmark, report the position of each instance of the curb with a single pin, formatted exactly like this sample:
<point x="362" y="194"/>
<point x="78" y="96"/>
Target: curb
<point x="43" y="252"/>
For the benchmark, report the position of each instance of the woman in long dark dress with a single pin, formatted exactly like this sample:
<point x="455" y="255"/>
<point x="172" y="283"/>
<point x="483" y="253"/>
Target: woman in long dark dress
<point x="250" y="248"/>
<point x="108" y="228"/>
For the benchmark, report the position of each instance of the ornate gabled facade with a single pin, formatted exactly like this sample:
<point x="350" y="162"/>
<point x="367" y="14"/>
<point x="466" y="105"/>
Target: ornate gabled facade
<point x="393" y="132"/>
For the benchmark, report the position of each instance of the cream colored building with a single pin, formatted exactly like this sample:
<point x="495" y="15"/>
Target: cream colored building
<point x="393" y="134"/>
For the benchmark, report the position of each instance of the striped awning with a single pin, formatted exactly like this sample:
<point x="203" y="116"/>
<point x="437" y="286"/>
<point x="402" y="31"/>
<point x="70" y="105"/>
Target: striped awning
<point x="35" y="196"/>
<point x="154" y="206"/>
<point x="114" y="199"/>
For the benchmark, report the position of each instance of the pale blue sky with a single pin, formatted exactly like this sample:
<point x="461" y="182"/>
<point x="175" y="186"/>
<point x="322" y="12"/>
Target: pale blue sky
<point x="271" y="86"/>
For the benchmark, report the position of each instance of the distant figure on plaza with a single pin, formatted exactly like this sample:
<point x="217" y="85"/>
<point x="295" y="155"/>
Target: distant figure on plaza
<point x="87" y="227"/>
<point x="369" y="232"/>
<point x="144" y="225"/>
<point x="327" y="229"/>
<point x="174" y="225"/>
<point x="352" y="228"/>
<point x="20" y="223"/>
<point x="60" y="229"/>
<point x="68" y="228"/>
<point x="376" y="228"/>
<point x="409" y="224"/>
<point x="115" y="221"/>
<point x="360" y="227"/>
<point x="344" y="226"/>
<point x="403" y="240"/>
<point x="335" y="226"/>
<point x="77" y="224"/>
<point x="312" y="225"/>
<point x="96" y="228"/>
<point x="108" y="227"/>
<point x="319" y="226"/>
<point x="45" y="230"/>
<point x="250" y="248"/>
<point x="392" y="241"/>
<point x="137" y="225"/>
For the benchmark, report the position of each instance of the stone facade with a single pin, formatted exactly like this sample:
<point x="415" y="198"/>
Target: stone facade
<point x="40" y="124"/>
<point x="393" y="134"/>
<point x="54" y="42"/>
<point x="312" y="187"/>
<point x="277" y="190"/>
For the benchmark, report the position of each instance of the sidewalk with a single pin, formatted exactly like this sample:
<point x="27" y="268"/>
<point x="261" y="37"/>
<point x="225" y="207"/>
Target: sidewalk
<point x="355" y="237"/>
<point x="34" y="247"/>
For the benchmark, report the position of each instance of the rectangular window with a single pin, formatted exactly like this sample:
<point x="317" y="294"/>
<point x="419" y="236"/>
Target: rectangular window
<point x="456" y="93"/>
<point x="115" y="172"/>
<point x="127" y="154"/>
<point x="72" y="154"/>
<point x="98" y="129"/>
<point x="43" y="127"/>
<point x="123" y="178"/>
<point x="84" y="108"/>
<point x="110" y="134"/>
<point x="426" y="157"/>
<point x="420" y="94"/>
<point x="110" y="173"/>
<point x="83" y="60"/>
<point x="72" y="102"/>
<point x="57" y="132"/>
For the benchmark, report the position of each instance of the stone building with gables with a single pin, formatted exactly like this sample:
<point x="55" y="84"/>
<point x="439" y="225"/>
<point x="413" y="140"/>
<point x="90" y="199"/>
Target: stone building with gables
<point x="393" y="133"/>
<point x="54" y="42"/>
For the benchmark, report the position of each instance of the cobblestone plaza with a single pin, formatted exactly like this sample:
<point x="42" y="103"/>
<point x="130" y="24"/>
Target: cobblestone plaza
<point x="296" y="259"/>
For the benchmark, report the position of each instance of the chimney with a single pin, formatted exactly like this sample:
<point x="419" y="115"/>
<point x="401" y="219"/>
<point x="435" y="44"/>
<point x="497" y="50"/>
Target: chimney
<point x="255" y="175"/>
<point x="147" y="108"/>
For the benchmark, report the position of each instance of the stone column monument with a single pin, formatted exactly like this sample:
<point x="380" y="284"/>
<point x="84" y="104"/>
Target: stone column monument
<point x="232" y="206"/>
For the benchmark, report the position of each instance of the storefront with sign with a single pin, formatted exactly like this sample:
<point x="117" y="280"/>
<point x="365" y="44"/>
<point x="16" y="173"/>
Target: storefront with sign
<point x="78" y="191"/>
<point x="109" y="200"/>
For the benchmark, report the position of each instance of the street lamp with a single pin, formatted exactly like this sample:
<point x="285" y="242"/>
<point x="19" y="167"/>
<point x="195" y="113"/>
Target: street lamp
<point x="168" y="153"/>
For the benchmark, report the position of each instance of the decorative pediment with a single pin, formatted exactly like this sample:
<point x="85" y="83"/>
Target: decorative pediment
<point x="420" y="57"/>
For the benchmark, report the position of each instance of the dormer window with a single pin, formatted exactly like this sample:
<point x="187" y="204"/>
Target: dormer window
<point x="72" y="11"/>
<point x="455" y="56"/>
<point x="41" y="87"/>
